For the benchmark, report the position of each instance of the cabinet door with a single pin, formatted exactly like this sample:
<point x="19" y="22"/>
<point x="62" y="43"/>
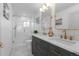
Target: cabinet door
<point x="34" y="50"/>
<point x="51" y="50"/>
<point x="44" y="48"/>
<point x="39" y="47"/>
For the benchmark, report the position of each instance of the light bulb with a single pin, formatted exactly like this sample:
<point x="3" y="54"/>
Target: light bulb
<point x="44" y="7"/>
<point x="41" y="10"/>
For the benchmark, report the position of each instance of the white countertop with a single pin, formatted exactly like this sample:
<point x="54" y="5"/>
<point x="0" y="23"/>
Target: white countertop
<point x="72" y="46"/>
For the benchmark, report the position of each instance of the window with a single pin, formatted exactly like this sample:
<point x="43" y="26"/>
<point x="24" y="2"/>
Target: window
<point x="26" y="24"/>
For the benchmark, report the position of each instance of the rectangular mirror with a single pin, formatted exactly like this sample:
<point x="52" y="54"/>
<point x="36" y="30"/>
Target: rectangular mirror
<point x="67" y="16"/>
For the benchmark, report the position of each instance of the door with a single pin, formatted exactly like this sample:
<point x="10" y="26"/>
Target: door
<point x="5" y="34"/>
<point x="6" y="37"/>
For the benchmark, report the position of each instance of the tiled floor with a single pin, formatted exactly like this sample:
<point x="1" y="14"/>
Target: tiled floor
<point x="22" y="45"/>
<point x="22" y="51"/>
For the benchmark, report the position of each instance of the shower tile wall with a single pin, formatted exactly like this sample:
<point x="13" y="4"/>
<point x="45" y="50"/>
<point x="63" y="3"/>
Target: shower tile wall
<point x="22" y="41"/>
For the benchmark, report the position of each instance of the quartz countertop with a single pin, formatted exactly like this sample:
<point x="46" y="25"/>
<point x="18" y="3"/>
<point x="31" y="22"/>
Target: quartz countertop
<point x="72" y="46"/>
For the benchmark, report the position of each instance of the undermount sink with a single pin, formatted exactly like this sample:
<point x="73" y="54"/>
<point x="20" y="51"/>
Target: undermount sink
<point x="69" y="42"/>
<point x="64" y="41"/>
<point x="61" y="40"/>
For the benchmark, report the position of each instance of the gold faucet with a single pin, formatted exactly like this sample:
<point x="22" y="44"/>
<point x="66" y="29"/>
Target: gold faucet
<point x="65" y="35"/>
<point x="50" y="33"/>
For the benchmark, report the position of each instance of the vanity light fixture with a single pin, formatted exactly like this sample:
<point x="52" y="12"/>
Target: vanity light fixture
<point x="43" y="8"/>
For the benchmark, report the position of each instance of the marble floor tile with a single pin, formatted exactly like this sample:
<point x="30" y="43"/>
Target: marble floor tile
<point x="22" y="51"/>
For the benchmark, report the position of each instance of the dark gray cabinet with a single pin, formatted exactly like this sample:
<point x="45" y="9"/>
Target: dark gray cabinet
<point x="43" y="48"/>
<point x="39" y="47"/>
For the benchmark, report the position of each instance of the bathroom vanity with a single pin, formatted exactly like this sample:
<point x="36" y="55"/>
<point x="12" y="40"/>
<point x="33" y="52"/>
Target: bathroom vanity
<point x="51" y="46"/>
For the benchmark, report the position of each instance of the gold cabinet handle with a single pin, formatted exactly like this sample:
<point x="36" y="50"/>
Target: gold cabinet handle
<point x="1" y="44"/>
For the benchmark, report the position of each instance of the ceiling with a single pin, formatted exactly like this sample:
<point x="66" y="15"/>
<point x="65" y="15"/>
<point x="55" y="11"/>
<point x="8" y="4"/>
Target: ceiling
<point x="62" y="6"/>
<point x="28" y="9"/>
<point x="32" y="9"/>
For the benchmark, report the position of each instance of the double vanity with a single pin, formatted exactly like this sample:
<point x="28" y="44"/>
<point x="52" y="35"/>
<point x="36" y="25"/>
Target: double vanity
<point x="66" y="23"/>
<point x="42" y="45"/>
